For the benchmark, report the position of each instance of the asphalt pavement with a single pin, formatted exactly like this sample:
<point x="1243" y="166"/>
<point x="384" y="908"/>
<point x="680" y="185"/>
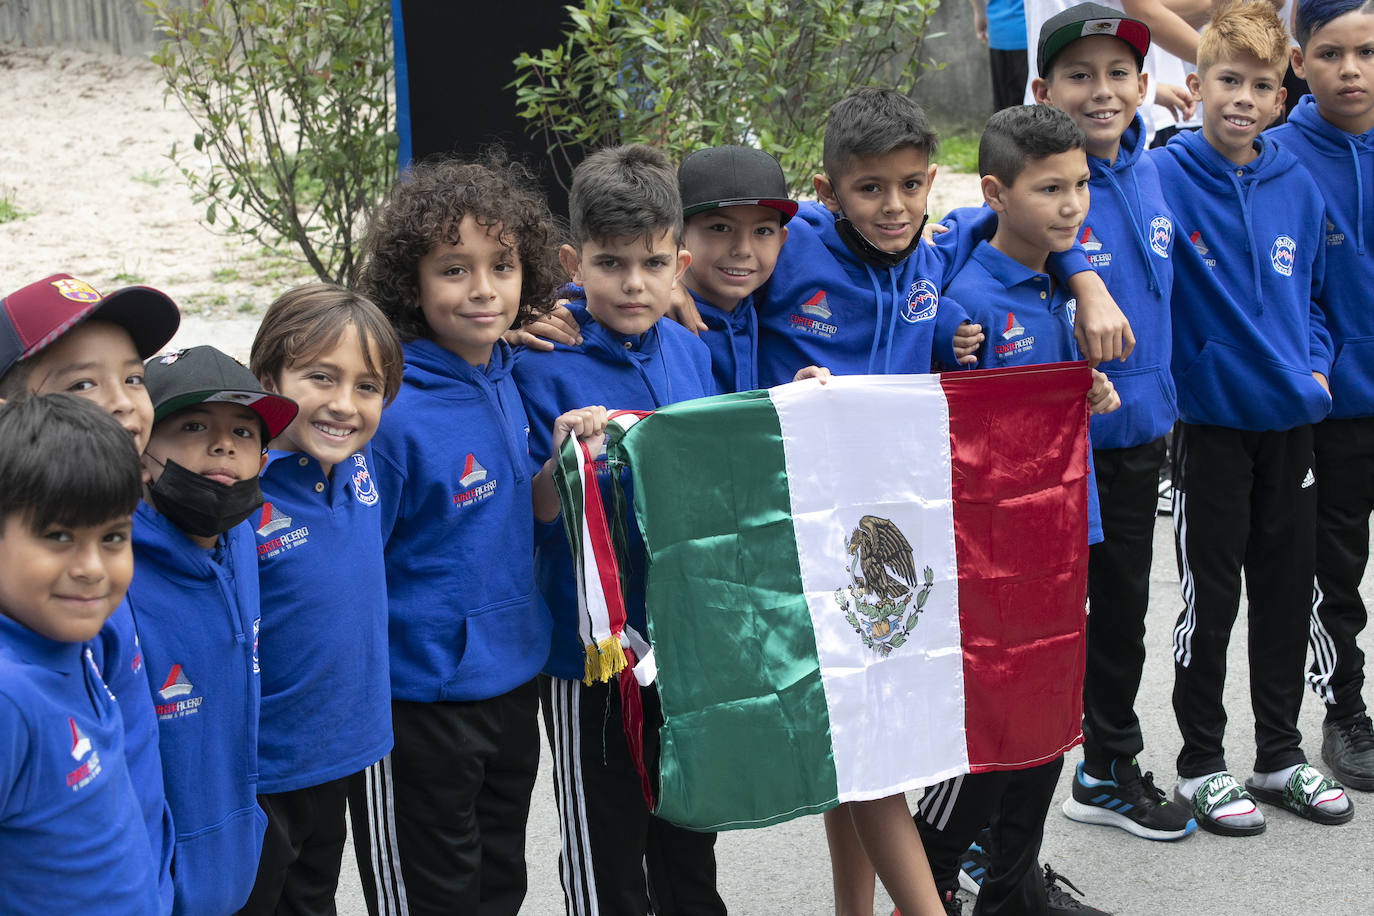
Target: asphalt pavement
<point x="1294" y="868"/>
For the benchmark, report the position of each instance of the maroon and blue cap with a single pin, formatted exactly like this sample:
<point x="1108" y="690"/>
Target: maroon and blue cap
<point x="34" y="317"/>
<point x="733" y="176"/>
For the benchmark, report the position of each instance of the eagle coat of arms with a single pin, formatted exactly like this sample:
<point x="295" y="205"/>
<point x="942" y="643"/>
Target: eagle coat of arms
<point x="884" y="598"/>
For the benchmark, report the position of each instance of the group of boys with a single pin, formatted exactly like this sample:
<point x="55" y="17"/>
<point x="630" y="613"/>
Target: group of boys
<point x="1237" y="332"/>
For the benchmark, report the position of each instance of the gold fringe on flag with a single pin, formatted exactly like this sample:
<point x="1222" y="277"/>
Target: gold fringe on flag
<point x="605" y="659"/>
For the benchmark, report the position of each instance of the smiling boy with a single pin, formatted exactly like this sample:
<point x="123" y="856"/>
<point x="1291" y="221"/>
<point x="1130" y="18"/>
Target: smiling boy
<point x="626" y="254"/>
<point x="195" y="602"/>
<point x="1250" y="357"/>
<point x="71" y="829"/>
<point x="1332" y="134"/>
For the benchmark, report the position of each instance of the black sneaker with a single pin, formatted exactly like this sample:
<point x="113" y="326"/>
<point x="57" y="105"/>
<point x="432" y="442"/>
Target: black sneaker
<point x="1059" y="899"/>
<point x="1130" y="801"/>
<point x="1348" y="748"/>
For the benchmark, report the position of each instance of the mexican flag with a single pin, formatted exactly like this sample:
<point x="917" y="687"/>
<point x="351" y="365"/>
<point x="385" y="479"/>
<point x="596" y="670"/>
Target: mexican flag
<point x="853" y="589"/>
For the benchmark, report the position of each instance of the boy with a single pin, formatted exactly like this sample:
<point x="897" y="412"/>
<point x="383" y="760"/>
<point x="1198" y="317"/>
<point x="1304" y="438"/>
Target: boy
<point x="735" y="212"/>
<point x="63" y="336"/>
<point x="855" y="289"/>
<point x="1089" y="64"/>
<point x="194" y="599"/>
<point x="1250" y="358"/>
<point x="1035" y="179"/>
<point x="1330" y="133"/>
<point x="626" y="254"/>
<point x="71" y="828"/>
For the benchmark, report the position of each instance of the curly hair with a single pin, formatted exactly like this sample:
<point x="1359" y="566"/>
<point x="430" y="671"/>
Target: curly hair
<point x="425" y="207"/>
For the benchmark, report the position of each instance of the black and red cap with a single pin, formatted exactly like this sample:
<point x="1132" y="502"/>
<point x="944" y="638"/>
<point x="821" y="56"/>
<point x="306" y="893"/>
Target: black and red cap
<point x="733" y="176"/>
<point x="35" y="316"/>
<point x="204" y="375"/>
<point x="1084" y="21"/>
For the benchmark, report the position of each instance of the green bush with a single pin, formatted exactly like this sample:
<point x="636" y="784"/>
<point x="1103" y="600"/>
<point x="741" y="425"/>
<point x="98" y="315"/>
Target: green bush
<point x="682" y="75"/>
<point x="292" y="105"/>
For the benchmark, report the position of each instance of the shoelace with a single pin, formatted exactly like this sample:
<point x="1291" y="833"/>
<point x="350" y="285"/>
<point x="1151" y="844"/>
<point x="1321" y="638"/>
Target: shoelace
<point x="1052" y="880"/>
<point x="1152" y="791"/>
<point x="1359" y="732"/>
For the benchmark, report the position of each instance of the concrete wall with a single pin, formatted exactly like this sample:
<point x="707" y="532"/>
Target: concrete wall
<point x="107" y="26"/>
<point x="960" y="95"/>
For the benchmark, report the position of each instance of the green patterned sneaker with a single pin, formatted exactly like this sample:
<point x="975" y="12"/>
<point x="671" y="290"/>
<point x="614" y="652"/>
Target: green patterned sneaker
<point x="1223" y="807"/>
<point x="1311" y="794"/>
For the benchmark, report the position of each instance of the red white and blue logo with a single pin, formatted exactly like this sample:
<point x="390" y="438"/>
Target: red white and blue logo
<point x="476" y="486"/>
<point x="813" y="316"/>
<point x="1014" y="328"/>
<point x="85" y="755"/>
<point x="922" y="299"/>
<point x="1161" y="235"/>
<point x="473" y="472"/>
<point x="363" y="488"/>
<point x="817" y="306"/>
<point x="1195" y="237"/>
<point x="1089" y="240"/>
<point x="175" y="696"/>
<point x="272" y="520"/>
<point x="1282" y="255"/>
<point x="81" y="745"/>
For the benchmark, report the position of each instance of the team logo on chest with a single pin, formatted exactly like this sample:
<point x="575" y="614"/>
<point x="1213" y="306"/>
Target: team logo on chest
<point x="1093" y="246"/>
<point x="1332" y="236"/>
<point x="922" y="299"/>
<point x="84" y="754"/>
<point x="270" y="522"/>
<point x="176" y="695"/>
<point x="476" y="486"/>
<point x="813" y="316"/>
<point x="1282" y="255"/>
<point x="363" y="487"/>
<point x="1161" y="235"/>
<point x="1195" y="237"/>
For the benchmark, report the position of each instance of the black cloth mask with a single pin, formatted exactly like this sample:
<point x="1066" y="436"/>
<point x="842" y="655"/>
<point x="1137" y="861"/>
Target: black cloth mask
<point x="869" y="253"/>
<point x="200" y="506"/>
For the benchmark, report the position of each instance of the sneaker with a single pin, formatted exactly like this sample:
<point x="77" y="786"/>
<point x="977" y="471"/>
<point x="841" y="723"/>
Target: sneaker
<point x="973" y="865"/>
<point x="1166" y="495"/>
<point x="1130" y="801"/>
<point x="1216" y="792"/>
<point x="1299" y="795"/>
<point x="1059" y="900"/>
<point x="1348" y="748"/>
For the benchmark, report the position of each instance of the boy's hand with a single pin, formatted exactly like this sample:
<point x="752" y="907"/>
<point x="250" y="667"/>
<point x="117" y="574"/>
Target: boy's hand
<point x="816" y="372"/>
<point x="1177" y="99"/>
<point x="931" y="230"/>
<point x="586" y="423"/>
<point x="558" y="326"/>
<point x="968" y="337"/>
<point x="682" y="308"/>
<point x="1102" y="396"/>
<point x="1100" y="329"/>
<point x="1321" y="380"/>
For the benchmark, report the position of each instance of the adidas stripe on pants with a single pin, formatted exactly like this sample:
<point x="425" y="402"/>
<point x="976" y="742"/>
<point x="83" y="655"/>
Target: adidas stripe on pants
<point x="1244" y="502"/>
<point x="439" y="823"/>
<point x="616" y="859"/>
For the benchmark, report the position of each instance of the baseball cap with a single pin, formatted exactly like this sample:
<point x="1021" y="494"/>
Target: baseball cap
<point x="200" y="375"/>
<point x="733" y="176"/>
<point x="1083" y="21"/>
<point x="34" y="317"/>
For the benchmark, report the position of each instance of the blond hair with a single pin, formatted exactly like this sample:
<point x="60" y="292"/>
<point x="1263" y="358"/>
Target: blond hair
<point x="1244" y="27"/>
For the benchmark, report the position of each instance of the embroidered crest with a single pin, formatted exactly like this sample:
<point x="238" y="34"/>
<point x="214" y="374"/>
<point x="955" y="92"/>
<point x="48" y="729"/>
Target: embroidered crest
<point x="1161" y="235"/>
<point x="884" y="598"/>
<point x="1282" y="255"/>
<point x="76" y="290"/>
<point x="922" y="299"/>
<point x="363" y="487"/>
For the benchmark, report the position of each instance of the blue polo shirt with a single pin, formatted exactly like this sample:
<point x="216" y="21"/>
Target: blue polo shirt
<point x="72" y="837"/>
<point x="1027" y="319"/>
<point x="197" y="616"/>
<point x="326" y="684"/>
<point x="733" y="339"/>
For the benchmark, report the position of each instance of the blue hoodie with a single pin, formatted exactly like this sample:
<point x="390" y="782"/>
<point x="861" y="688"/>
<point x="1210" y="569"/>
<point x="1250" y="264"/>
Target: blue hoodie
<point x="120" y="660"/>
<point x="453" y="470"/>
<point x="825" y="307"/>
<point x="664" y="365"/>
<point x="1248" y="330"/>
<point x="1342" y="164"/>
<point x="733" y="339"/>
<point x="197" y="616"/>
<point x="326" y="690"/>
<point x="1129" y="235"/>
<point x="72" y="837"/>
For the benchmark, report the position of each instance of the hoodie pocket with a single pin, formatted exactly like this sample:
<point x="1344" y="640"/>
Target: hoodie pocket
<point x="213" y="869"/>
<point x="1227" y="386"/>
<point x="1148" y="408"/>
<point x="1352" y="378"/>
<point x="505" y="645"/>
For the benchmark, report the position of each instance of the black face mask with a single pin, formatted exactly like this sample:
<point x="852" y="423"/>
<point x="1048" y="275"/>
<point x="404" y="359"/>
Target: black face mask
<point x="869" y="253"/>
<point x="200" y="506"/>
